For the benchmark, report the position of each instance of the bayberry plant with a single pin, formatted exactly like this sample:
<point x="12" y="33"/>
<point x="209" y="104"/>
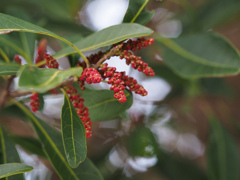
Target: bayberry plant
<point x="63" y="86"/>
<point x="43" y="75"/>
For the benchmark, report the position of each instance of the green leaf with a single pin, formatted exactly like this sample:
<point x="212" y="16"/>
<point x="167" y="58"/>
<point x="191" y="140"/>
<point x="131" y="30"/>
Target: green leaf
<point x="8" y="69"/>
<point x="13" y="168"/>
<point x="41" y="102"/>
<point x="12" y="44"/>
<point x="42" y="80"/>
<point x="10" y="23"/>
<point x="107" y="37"/>
<point x="30" y="144"/>
<point x="13" y="108"/>
<point x="211" y="14"/>
<point x="222" y="154"/>
<point x="53" y="148"/>
<point x="141" y="143"/>
<point x="137" y="12"/>
<point x="8" y="153"/>
<point x="73" y="134"/>
<point x="200" y="55"/>
<point x="103" y="106"/>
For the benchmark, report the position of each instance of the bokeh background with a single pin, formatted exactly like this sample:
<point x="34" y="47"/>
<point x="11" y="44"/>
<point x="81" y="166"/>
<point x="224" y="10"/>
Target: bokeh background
<point x="165" y="135"/>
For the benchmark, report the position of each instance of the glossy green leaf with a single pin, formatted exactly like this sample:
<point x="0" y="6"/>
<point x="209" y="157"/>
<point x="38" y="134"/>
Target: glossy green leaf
<point x="13" y="168"/>
<point x="141" y="143"/>
<point x="8" y="153"/>
<point x="222" y="154"/>
<point x="103" y="106"/>
<point x="42" y="80"/>
<point x="107" y="37"/>
<point x="137" y="12"/>
<point x="10" y="23"/>
<point x="51" y="140"/>
<point x="30" y="144"/>
<point x="8" y="69"/>
<point x="73" y="134"/>
<point x="200" y="55"/>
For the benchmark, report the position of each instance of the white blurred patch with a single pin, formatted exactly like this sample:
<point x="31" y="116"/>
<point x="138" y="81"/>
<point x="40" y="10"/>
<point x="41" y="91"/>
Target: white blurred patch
<point x="103" y="13"/>
<point x="190" y="146"/>
<point x="165" y="24"/>
<point x="139" y="164"/>
<point x="170" y="28"/>
<point x="116" y="159"/>
<point x="40" y="171"/>
<point x="53" y="105"/>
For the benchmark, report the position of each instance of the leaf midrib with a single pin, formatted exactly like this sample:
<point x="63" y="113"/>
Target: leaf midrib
<point x="70" y="108"/>
<point x="47" y="137"/>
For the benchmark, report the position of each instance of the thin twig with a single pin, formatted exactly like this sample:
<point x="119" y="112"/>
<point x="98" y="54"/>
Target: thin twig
<point x="111" y="53"/>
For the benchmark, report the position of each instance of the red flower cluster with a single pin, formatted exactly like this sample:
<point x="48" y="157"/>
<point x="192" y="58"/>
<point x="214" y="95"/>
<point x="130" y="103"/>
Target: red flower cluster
<point x="90" y="75"/>
<point x="81" y="110"/>
<point x="51" y="62"/>
<point x="17" y="59"/>
<point x="136" y="61"/>
<point x="34" y="103"/>
<point x="138" y="44"/>
<point x="42" y="47"/>
<point x="119" y="82"/>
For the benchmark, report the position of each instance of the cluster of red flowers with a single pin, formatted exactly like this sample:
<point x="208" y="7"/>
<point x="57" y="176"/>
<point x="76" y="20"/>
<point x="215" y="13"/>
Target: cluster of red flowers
<point x="90" y="75"/>
<point x="118" y="80"/>
<point x="34" y="102"/>
<point x="17" y="59"/>
<point x="81" y="110"/>
<point x="51" y="62"/>
<point x="136" y="61"/>
<point x="42" y="48"/>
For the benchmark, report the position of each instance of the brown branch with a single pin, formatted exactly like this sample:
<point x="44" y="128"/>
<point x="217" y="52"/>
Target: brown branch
<point x="70" y="80"/>
<point x="4" y="94"/>
<point x="111" y="53"/>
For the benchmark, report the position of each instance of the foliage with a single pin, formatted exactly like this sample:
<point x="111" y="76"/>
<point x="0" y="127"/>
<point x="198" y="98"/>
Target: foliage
<point x="191" y="63"/>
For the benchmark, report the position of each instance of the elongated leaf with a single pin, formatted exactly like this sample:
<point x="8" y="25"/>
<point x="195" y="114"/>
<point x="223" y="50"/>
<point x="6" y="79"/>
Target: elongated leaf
<point x="30" y="144"/>
<point x="73" y="134"/>
<point x="137" y="12"/>
<point x="200" y="55"/>
<point x="13" y="108"/>
<point x="53" y="148"/>
<point x="42" y="80"/>
<point x="107" y="37"/>
<point x="8" y="69"/>
<point x="10" y="23"/>
<point x="11" y="43"/>
<point x="222" y="154"/>
<point x="13" y="168"/>
<point x="8" y="153"/>
<point x="211" y="14"/>
<point x="103" y="106"/>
